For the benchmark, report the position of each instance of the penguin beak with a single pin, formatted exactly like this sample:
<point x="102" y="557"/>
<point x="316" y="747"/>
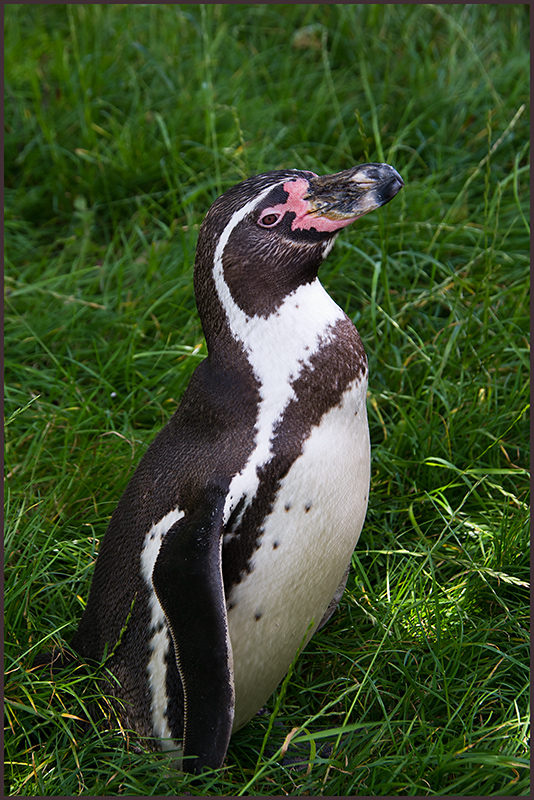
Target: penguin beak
<point x="348" y="195"/>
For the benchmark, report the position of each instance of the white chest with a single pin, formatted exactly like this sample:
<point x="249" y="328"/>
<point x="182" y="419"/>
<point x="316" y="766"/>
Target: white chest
<point x="304" y="551"/>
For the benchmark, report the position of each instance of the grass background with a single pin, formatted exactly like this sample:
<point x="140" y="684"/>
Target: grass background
<point x="122" y="125"/>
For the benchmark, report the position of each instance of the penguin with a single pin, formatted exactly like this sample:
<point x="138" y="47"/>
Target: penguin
<point x="233" y="539"/>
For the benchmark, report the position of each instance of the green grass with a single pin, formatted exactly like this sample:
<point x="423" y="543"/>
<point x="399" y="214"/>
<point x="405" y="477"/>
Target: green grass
<point x="122" y="125"/>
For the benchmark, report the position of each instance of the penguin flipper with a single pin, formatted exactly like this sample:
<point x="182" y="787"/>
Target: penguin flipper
<point x="187" y="579"/>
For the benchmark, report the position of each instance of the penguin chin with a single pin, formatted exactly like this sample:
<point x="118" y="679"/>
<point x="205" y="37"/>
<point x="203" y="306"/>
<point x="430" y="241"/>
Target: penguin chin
<point x="259" y="287"/>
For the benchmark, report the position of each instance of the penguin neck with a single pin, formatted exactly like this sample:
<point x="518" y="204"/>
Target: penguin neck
<point x="279" y="345"/>
<point x="275" y="344"/>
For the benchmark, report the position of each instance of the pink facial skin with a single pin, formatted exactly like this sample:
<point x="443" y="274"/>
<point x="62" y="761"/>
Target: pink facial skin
<point x="303" y="215"/>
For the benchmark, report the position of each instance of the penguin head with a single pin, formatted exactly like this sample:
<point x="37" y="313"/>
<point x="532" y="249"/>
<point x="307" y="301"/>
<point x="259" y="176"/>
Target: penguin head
<point x="268" y="235"/>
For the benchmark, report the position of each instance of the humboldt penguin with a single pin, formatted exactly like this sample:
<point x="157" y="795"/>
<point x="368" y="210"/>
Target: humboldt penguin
<point x="233" y="539"/>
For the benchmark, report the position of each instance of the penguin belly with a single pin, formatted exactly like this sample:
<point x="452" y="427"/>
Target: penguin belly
<point x="303" y="554"/>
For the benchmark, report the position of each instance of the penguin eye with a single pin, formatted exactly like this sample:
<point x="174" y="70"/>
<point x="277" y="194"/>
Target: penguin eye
<point x="270" y="219"/>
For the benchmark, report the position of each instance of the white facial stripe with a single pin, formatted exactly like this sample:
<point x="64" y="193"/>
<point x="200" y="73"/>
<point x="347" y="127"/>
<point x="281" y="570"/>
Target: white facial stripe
<point x="231" y="308"/>
<point x="159" y="643"/>
<point x="277" y="347"/>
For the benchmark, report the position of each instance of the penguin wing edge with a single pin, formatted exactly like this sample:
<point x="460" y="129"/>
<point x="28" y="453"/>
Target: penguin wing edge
<point x="187" y="579"/>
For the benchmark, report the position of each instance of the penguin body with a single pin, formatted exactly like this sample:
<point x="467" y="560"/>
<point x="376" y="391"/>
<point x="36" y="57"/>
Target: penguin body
<point x="232" y="541"/>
